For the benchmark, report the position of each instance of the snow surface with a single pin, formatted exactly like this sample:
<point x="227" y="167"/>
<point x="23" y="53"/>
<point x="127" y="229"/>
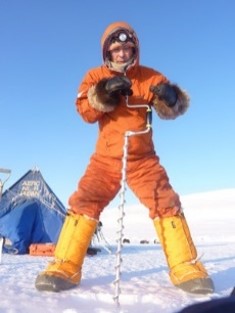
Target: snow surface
<point x="145" y="284"/>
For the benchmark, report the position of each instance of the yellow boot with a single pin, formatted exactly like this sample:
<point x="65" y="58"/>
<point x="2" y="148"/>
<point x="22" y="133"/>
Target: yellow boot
<point x="65" y="271"/>
<point x="185" y="271"/>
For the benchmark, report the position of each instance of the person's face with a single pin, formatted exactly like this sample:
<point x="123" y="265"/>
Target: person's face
<point x="121" y="54"/>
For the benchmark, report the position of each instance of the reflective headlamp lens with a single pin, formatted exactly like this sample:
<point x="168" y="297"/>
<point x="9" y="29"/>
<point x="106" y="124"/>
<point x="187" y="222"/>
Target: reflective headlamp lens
<point x="122" y="37"/>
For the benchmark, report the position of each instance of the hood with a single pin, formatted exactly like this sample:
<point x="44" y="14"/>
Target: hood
<point x="107" y="36"/>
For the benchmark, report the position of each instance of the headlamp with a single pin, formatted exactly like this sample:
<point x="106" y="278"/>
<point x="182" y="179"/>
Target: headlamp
<point x="121" y="36"/>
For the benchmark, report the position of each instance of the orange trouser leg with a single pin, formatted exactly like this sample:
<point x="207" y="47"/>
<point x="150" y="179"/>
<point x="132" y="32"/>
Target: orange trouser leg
<point x="98" y="186"/>
<point x="149" y="181"/>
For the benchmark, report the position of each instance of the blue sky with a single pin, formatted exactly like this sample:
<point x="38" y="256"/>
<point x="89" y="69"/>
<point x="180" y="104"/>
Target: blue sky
<point x="47" y="47"/>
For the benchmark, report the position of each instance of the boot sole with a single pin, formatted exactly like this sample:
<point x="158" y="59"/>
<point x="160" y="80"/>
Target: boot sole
<point x="52" y="283"/>
<point x="198" y="286"/>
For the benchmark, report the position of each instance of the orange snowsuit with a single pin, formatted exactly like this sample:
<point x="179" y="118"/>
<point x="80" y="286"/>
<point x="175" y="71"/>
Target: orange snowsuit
<point x="106" y="99"/>
<point x="145" y="176"/>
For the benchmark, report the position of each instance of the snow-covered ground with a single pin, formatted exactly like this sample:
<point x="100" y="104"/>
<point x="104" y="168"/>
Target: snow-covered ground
<point x="145" y="285"/>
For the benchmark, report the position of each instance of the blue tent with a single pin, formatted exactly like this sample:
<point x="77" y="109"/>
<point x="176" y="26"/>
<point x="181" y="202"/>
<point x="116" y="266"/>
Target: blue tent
<point x="30" y="213"/>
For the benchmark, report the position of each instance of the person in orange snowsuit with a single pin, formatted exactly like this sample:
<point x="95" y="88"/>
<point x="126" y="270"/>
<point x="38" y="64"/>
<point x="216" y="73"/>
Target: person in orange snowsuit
<point x="110" y="95"/>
